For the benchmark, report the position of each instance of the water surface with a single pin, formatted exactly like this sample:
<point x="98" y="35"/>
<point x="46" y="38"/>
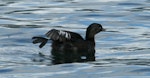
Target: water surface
<point x="122" y="51"/>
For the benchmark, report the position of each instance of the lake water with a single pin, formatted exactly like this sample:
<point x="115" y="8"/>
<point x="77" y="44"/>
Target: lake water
<point x="122" y="51"/>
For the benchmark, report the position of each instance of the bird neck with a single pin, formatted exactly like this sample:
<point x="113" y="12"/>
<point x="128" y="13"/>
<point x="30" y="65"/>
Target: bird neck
<point x="90" y="38"/>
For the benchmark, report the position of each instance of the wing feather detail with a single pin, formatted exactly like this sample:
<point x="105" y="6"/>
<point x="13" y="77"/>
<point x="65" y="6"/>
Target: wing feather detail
<point x="59" y="35"/>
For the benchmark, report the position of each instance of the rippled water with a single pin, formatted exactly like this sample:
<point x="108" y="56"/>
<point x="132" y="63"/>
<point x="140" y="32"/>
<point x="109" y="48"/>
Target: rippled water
<point x="123" y="51"/>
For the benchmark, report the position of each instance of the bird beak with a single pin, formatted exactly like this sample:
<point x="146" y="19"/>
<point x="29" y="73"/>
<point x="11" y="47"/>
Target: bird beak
<point x="103" y="29"/>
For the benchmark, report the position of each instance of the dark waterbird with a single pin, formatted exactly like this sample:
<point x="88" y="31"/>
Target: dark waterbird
<point x="69" y="46"/>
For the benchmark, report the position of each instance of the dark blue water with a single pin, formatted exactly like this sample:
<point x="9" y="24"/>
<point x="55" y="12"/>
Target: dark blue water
<point x="122" y="51"/>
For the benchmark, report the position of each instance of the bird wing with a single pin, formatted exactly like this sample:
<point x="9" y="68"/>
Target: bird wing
<point x="62" y="36"/>
<point x="41" y="40"/>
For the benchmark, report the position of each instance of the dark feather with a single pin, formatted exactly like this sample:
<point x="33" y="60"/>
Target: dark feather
<point x="41" y="40"/>
<point x="60" y="35"/>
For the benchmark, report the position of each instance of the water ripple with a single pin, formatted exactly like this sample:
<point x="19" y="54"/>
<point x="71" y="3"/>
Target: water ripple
<point x="121" y="51"/>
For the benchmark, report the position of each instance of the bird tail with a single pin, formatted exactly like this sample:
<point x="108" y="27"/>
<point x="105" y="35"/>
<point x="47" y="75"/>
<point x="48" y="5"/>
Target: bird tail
<point x="41" y="40"/>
